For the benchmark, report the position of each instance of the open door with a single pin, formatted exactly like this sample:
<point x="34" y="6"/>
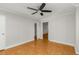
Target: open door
<point x="35" y="28"/>
<point x="45" y="31"/>
<point x="2" y="32"/>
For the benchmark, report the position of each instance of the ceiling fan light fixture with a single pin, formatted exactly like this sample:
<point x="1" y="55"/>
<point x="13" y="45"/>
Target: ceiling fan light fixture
<point x="40" y="9"/>
<point x="41" y="14"/>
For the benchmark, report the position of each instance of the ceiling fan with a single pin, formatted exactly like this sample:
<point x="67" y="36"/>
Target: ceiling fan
<point x="40" y="9"/>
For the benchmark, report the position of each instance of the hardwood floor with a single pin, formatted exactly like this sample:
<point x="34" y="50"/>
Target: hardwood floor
<point x="40" y="47"/>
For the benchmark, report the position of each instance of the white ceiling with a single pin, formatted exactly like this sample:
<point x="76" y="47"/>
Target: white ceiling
<point x="21" y="8"/>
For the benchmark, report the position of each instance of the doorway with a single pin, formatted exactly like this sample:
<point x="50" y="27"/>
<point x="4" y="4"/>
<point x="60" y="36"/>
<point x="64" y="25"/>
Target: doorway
<point x="35" y="28"/>
<point x="45" y="30"/>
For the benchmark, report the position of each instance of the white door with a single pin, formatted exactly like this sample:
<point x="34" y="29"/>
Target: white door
<point x="2" y="32"/>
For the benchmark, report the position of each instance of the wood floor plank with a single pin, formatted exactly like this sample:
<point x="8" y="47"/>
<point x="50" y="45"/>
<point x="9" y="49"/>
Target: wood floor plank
<point x="40" y="47"/>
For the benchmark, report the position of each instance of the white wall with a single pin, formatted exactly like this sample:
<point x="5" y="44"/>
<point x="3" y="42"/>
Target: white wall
<point x="77" y="29"/>
<point x="61" y="27"/>
<point x="18" y="29"/>
<point x="39" y="30"/>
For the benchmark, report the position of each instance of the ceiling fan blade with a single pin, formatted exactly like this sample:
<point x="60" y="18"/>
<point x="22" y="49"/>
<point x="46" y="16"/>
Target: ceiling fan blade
<point x="42" y="6"/>
<point x="34" y="13"/>
<point x="46" y="10"/>
<point x="41" y="14"/>
<point x="32" y="8"/>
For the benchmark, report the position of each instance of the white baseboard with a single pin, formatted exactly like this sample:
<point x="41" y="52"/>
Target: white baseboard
<point x="16" y="44"/>
<point x="77" y="52"/>
<point x="2" y="49"/>
<point x="63" y="43"/>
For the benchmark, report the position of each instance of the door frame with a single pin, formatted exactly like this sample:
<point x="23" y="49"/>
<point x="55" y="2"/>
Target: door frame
<point x="42" y="28"/>
<point x="2" y="32"/>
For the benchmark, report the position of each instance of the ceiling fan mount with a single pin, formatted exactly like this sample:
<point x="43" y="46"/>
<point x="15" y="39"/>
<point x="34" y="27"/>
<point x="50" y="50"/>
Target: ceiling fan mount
<point x="40" y="9"/>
